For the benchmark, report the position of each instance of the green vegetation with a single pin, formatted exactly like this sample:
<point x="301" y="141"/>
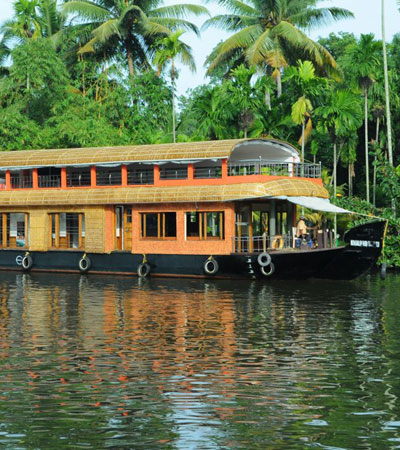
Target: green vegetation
<point x="102" y="72"/>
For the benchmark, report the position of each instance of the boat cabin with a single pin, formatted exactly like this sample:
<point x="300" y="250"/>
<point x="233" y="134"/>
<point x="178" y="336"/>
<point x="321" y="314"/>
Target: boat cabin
<point x="209" y="198"/>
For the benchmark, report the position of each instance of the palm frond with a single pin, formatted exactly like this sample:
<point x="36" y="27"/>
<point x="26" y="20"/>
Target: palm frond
<point x="181" y="10"/>
<point x="106" y="30"/>
<point x="230" y="22"/>
<point x="312" y="18"/>
<point x="175" y="24"/>
<point x="258" y="51"/>
<point x="243" y="39"/>
<point x="86" y="10"/>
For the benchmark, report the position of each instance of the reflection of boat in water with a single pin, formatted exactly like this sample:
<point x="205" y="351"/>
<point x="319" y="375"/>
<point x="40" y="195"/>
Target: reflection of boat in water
<point x="215" y="209"/>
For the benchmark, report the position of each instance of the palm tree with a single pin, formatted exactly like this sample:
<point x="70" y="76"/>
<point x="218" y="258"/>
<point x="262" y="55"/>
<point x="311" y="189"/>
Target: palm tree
<point x="271" y="31"/>
<point x="170" y="49"/>
<point x="24" y="25"/>
<point x="32" y="19"/>
<point x="387" y="98"/>
<point x="130" y="27"/>
<point x="304" y="77"/>
<point x="212" y="113"/>
<point x="241" y="96"/>
<point x="340" y="116"/>
<point x="363" y="59"/>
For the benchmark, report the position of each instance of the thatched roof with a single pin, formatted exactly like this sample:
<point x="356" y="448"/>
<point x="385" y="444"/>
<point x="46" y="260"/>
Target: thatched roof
<point x="165" y="194"/>
<point x="189" y="151"/>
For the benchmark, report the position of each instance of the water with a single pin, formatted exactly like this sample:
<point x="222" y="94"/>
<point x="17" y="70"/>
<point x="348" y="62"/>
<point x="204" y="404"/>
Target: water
<point x="91" y="362"/>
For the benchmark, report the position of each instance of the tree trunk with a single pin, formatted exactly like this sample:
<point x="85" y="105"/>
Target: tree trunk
<point x="279" y="83"/>
<point x="334" y="189"/>
<point x="350" y="187"/>
<point x="387" y="95"/>
<point x="130" y="62"/>
<point x="378" y="121"/>
<point x="303" y="125"/>
<point x="366" y="143"/>
<point x="173" y="98"/>
<point x="268" y="99"/>
<point x="387" y="99"/>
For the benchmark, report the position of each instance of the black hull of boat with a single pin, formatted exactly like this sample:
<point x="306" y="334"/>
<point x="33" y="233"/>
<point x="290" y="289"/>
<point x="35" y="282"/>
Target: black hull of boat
<point x="343" y="263"/>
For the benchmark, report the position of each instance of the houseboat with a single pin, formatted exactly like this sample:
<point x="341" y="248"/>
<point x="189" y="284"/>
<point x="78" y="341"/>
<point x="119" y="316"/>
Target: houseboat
<point x="211" y="209"/>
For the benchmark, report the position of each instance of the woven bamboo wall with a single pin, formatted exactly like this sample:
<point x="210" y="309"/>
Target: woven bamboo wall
<point x="39" y="226"/>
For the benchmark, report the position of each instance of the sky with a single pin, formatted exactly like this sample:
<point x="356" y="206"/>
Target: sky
<point x="367" y="20"/>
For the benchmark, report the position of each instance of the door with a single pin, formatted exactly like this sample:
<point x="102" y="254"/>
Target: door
<point x="119" y="227"/>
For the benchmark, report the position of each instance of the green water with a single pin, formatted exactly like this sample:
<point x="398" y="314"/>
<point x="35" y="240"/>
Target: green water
<point x="120" y="363"/>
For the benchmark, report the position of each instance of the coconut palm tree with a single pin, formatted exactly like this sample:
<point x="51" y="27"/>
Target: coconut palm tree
<point x="363" y="61"/>
<point x="130" y="27"/>
<point x="341" y="115"/>
<point x="272" y="32"/>
<point x="24" y="25"/>
<point x="32" y="19"/>
<point x="304" y="77"/>
<point x="170" y="49"/>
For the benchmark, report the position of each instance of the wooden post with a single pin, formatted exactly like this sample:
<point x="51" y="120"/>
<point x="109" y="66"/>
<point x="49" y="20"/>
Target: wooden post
<point x="80" y="243"/>
<point x="63" y="177"/>
<point x="26" y="231"/>
<point x="156" y="174"/>
<point x="251" y="231"/>
<point x="50" y="230"/>
<point x="35" y="179"/>
<point x="124" y="175"/>
<point x="205" y="225"/>
<point x="93" y="181"/>
<point x="4" y="218"/>
<point x="221" y="225"/>
<point x="8" y="180"/>
<point x="57" y="230"/>
<point x="224" y="169"/>
<point x="200" y="216"/>
<point x="190" y="172"/>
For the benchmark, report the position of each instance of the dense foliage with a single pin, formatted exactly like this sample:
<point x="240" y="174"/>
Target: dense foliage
<point x="102" y="72"/>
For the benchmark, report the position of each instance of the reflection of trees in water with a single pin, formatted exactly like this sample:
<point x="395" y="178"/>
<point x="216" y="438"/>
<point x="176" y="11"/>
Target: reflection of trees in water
<point x="153" y="358"/>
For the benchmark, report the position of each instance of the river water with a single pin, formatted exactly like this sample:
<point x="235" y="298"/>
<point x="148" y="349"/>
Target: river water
<point x="97" y="362"/>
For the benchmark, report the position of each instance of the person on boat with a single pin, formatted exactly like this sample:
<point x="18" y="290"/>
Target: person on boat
<point x="302" y="232"/>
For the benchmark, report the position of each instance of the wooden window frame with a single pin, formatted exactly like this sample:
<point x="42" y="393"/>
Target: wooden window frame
<point x="161" y="221"/>
<point x="203" y="227"/>
<point x="57" y="246"/>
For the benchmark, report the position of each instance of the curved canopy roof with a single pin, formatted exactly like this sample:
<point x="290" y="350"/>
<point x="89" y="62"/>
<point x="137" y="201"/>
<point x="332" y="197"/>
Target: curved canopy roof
<point x="166" y="194"/>
<point x="185" y="151"/>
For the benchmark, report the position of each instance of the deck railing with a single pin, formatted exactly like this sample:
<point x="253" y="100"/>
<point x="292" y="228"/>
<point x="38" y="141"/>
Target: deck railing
<point x="263" y="167"/>
<point x="49" y="181"/>
<point x="180" y="173"/>
<point x="207" y="172"/>
<point x="78" y="179"/>
<point x="21" y="182"/>
<point x="145" y="176"/>
<point x="258" y="244"/>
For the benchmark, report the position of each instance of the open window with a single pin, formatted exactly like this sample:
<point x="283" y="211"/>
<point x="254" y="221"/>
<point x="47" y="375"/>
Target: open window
<point x="67" y="230"/>
<point x="205" y="225"/>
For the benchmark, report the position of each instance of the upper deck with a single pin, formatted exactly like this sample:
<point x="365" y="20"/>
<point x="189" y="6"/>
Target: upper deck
<point x="184" y="164"/>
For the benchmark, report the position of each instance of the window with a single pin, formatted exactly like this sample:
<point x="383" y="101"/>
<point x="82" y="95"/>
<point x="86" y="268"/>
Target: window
<point x="204" y="225"/>
<point x="67" y="230"/>
<point x="14" y="230"/>
<point x="140" y="174"/>
<point x="49" y="177"/>
<point x="108" y="176"/>
<point x="78" y="177"/>
<point x="21" y="179"/>
<point x="158" y="225"/>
